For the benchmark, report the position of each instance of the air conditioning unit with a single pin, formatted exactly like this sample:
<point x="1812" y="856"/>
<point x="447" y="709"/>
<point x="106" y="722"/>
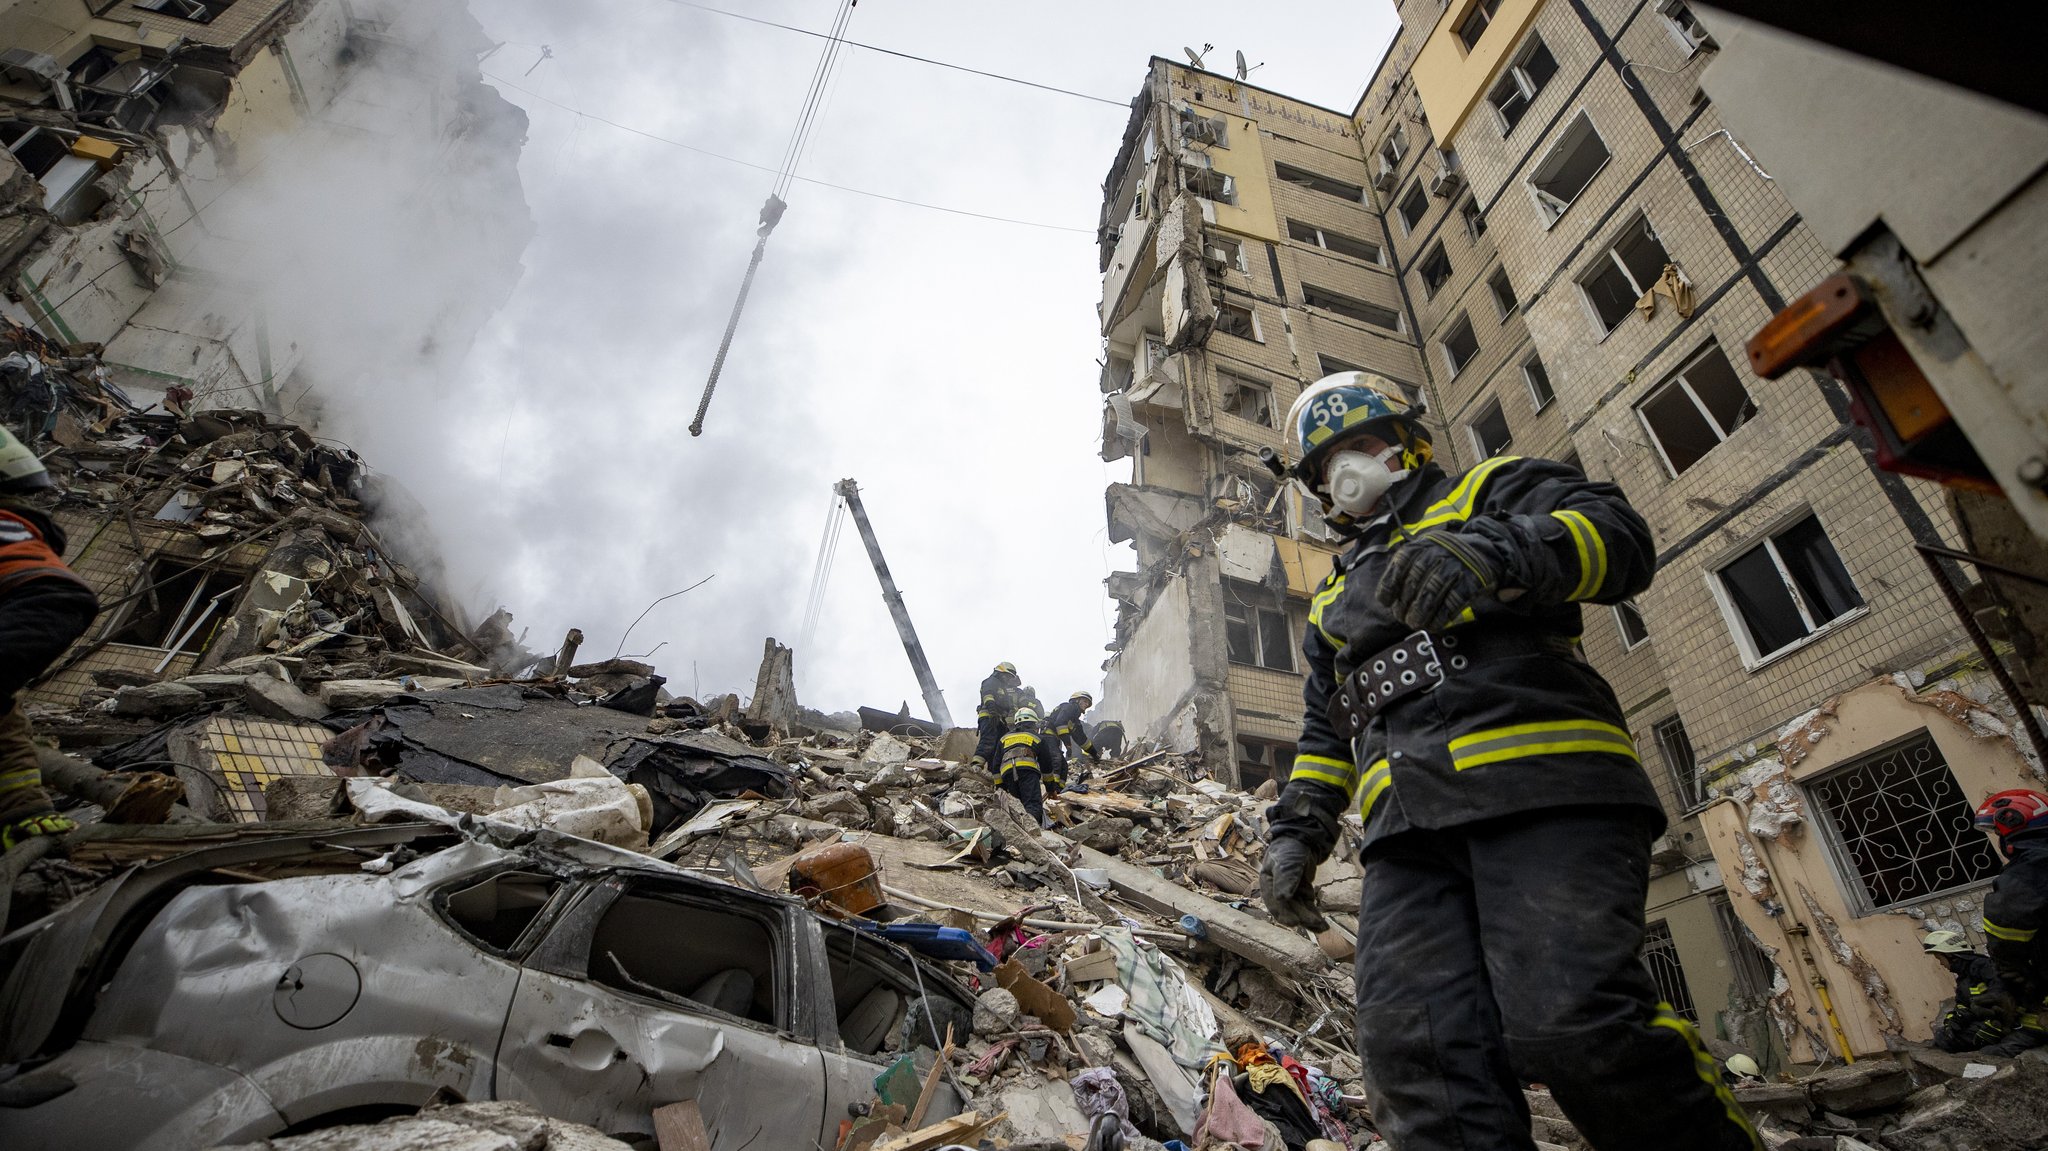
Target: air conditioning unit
<point x="1216" y="258"/>
<point x="1382" y="174"/>
<point x="1446" y="181"/>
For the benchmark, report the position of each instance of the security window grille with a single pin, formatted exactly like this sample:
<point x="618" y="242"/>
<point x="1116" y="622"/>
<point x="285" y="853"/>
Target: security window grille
<point x="1788" y="587"/>
<point x="1685" y="27"/>
<point x="1210" y="184"/>
<point x="1396" y="146"/>
<point x="1360" y="310"/>
<point x="1490" y="433"/>
<point x="1475" y="23"/>
<point x="1902" y="823"/>
<point x="1517" y="87"/>
<point x="1414" y="206"/>
<point x="1623" y="271"/>
<point x="1503" y="292"/>
<point x="1459" y="344"/>
<point x="1660" y="956"/>
<point x="1237" y="320"/>
<point x="1246" y="399"/>
<point x="1752" y="970"/>
<point x="1302" y="177"/>
<point x="1570" y="165"/>
<point x="1334" y="241"/>
<point x="1698" y="407"/>
<point x="1538" y="378"/>
<point x="1436" y="271"/>
<point x="1475" y="220"/>
<point x="1676" y="748"/>
<point x="1258" y="636"/>
<point x="1628" y="620"/>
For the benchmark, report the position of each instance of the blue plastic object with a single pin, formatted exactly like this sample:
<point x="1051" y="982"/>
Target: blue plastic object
<point x="936" y="942"/>
<point x="1194" y="927"/>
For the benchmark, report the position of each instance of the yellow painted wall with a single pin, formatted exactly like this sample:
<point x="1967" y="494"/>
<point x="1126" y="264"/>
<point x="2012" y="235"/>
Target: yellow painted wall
<point x="260" y="103"/>
<point x="1450" y="80"/>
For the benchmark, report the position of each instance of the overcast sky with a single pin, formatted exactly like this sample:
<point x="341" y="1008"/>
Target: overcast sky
<point x="946" y="363"/>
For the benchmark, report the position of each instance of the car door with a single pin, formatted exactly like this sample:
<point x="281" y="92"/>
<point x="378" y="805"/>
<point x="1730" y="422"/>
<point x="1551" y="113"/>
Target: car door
<point x="877" y="989"/>
<point x="654" y="990"/>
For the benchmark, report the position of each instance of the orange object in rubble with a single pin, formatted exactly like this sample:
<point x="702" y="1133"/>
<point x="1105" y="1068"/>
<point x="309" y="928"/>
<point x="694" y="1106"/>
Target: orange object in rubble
<point x="842" y="874"/>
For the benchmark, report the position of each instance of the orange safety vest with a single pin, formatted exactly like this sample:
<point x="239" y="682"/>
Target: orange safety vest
<point x="26" y="555"/>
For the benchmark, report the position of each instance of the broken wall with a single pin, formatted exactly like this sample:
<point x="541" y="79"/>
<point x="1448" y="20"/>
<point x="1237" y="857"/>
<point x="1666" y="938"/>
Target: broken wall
<point x="1147" y="684"/>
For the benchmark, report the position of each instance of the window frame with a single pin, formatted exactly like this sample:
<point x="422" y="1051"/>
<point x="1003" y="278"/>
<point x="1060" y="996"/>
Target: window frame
<point x="1321" y="241"/>
<point x="1443" y="343"/>
<point x="1690" y="788"/>
<point x="1493" y="409"/>
<point x="1677" y="379"/>
<point x="1462" y="31"/>
<point x="1848" y="876"/>
<point x="1526" y="86"/>
<point x="1621" y="626"/>
<point x="1473" y="217"/>
<point x="1415" y="192"/>
<point x="1242" y="381"/>
<point x="1227" y="193"/>
<point x="1431" y="283"/>
<point x="1540" y="399"/>
<point x="1537" y="196"/>
<point x="1396" y="143"/>
<point x="1310" y="180"/>
<point x="1610" y="259"/>
<point x="1682" y="36"/>
<point x="1235" y="244"/>
<point x="1259" y="617"/>
<point x="1502" y="289"/>
<point x="1731" y="614"/>
<point x="1258" y="335"/>
<point x="1308" y="290"/>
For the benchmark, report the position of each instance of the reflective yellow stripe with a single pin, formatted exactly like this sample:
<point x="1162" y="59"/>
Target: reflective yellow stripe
<point x="1377" y="779"/>
<point x="1554" y="737"/>
<point x="2009" y="934"/>
<point x="1332" y="588"/>
<point x="1707" y="1069"/>
<point x="1338" y="773"/>
<point x="1592" y="553"/>
<point x="1457" y="507"/>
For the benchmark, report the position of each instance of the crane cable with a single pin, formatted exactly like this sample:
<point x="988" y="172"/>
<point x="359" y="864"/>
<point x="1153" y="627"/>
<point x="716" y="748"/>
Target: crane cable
<point x="771" y="211"/>
<point x="821" y="572"/>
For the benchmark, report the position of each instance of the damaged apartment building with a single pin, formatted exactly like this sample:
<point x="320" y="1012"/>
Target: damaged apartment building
<point x="1535" y="219"/>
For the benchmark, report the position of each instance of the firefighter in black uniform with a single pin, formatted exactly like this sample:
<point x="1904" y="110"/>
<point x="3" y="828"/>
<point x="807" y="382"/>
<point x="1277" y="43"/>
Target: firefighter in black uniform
<point x="992" y="715"/>
<point x="1064" y="725"/>
<point x="2016" y="916"/>
<point x="1030" y="760"/>
<point x="1971" y="1021"/>
<point x="1508" y="820"/>
<point x="1109" y="739"/>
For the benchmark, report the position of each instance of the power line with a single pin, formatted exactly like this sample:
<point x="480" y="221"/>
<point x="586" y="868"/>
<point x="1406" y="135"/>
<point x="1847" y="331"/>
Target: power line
<point x="1124" y="104"/>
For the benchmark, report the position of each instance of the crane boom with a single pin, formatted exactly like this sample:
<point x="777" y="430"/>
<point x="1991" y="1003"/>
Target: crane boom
<point x="936" y="702"/>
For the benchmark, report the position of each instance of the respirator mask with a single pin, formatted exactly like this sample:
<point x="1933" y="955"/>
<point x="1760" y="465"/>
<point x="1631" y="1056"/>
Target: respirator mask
<point x="1355" y="481"/>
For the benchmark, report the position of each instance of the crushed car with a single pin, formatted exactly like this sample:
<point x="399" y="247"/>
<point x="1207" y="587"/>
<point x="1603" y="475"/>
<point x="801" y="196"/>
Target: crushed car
<point x="197" y="1001"/>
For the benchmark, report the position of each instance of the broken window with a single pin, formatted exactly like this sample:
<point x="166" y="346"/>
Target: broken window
<point x="1206" y="131"/>
<point x="1360" y="310"/>
<point x="1538" y="379"/>
<point x="1787" y="587"/>
<point x="658" y="946"/>
<point x="873" y="990"/>
<point x="1684" y="26"/>
<point x="1221" y="252"/>
<point x="1753" y="972"/>
<point x="1256" y="635"/>
<point x="1475" y="23"/>
<point x="1436" y="270"/>
<point x="1628" y="620"/>
<point x="1698" y="407"/>
<point x="1302" y="177"/>
<point x="1475" y="220"/>
<point x="1414" y="206"/>
<point x="1660" y="957"/>
<point x="1245" y="398"/>
<point x="1210" y="184"/>
<point x="197" y="11"/>
<point x="1518" y="85"/>
<point x="1571" y="164"/>
<point x="1237" y="320"/>
<point x="1333" y="241"/>
<point x="1503" y="292"/>
<point x="497" y="911"/>
<point x="1675" y="746"/>
<point x="1490" y="435"/>
<point x="1395" y="147"/>
<point x="181" y="609"/>
<point x="1459" y="344"/>
<point x="38" y="149"/>
<point x="1899" y="820"/>
<point x="1259" y="760"/>
<point x="1623" y="271"/>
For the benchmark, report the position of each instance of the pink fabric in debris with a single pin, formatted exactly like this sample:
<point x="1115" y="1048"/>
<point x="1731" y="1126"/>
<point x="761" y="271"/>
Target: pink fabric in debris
<point x="1228" y="1123"/>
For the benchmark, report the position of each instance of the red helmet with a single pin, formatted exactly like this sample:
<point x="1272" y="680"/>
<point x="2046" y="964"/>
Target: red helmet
<point x="2014" y="812"/>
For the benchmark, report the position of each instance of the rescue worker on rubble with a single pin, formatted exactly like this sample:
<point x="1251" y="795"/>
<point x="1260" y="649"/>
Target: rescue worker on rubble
<point x="1508" y="820"/>
<point x="1108" y="737"/>
<point x="1972" y="1021"/>
<point x="44" y="606"/>
<point x="1065" y="726"/>
<point x="2015" y="914"/>
<point x="1030" y="761"/>
<point x="991" y="717"/>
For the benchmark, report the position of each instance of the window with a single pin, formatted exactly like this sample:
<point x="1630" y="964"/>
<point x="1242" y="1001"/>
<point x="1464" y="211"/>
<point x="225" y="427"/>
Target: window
<point x="1237" y="320"/>
<point x="1660" y="958"/>
<point x="1698" y="407"/>
<point x="1475" y="220"/>
<point x="1754" y="973"/>
<point x="1363" y="312"/>
<point x="1459" y="344"/>
<point x="1517" y="87"/>
<point x="1787" y="588"/>
<point x="184" y="607"/>
<point x="1503" y="292"/>
<point x="1570" y="165"/>
<point x="1208" y="131"/>
<point x="1490" y="434"/>
<point x="1395" y="147"/>
<point x="1623" y="272"/>
<point x="1334" y="241"/>
<point x="655" y="945"/>
<point x="1245" y="398"/>
<point x="1302" y="177"/>
<point x="1414" y="206"/>
<point x="1474" y="25"/>
<point x="1685" y="27"/>
<point x="1538" y="379"/>
<point x="1255" y="635"/>
<point x="497" y="911"/>
<point x="1210" y="184"/>
<point x="1221" y="252"/>
<point x="1436" y="270"/>
<point x="1675" y="746"/>
<point x="1628" y="620"/>
<point x="1331" y="365"/>
<point x="197" y="11"/>
<point x="1259" y="760"/>
<point x="1901" y="822"/>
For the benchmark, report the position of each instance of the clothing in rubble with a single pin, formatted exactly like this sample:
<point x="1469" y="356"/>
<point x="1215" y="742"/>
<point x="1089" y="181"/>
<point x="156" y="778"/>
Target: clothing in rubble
<point x="1503" y="802"/>
<point x="1274" y="1095"/>
<point x="1031" y="765"/>
<point x="44" y="606"/>
<point x="1064" y="725"/>
<point x="992" y="715"/>
<point x="2015" y="914"/>
<point x="1972" y="1021"/>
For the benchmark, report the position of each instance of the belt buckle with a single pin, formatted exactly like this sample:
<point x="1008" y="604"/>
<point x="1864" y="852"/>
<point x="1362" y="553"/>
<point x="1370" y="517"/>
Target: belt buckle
<point x="1402" y="669"/>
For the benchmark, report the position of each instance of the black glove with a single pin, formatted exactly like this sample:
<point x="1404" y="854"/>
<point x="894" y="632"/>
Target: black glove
<point x="1437" y="575"/>
<point x="1287" y="882"/>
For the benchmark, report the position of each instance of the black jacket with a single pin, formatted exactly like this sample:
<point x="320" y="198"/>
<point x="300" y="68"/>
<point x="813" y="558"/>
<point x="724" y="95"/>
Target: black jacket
<point x="998" y="698"/>
<point x="2015" y="913"/>
<point x="1522" y="721"/>
<point x="1065" y="723"/>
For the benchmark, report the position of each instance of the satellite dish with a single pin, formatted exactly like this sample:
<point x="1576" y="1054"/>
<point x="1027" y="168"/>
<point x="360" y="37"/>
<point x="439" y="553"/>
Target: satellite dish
<point x="1195" y="57"/>
<point x="1242" y="70"/>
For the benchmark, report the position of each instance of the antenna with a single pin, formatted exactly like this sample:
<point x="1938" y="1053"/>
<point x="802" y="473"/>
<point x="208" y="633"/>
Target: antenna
<point x="1243" y="71"/>
<point x="1195" y="57"/>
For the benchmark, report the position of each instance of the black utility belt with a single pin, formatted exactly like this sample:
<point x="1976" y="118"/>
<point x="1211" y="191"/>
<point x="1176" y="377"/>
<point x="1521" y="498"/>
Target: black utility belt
<point x="1420" y="663"/>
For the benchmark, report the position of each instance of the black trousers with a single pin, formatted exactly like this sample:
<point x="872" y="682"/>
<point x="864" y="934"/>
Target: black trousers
<point x="1029" y="787"/>
<point x="988" y="741"/>
<point x="1504" y="952"/>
